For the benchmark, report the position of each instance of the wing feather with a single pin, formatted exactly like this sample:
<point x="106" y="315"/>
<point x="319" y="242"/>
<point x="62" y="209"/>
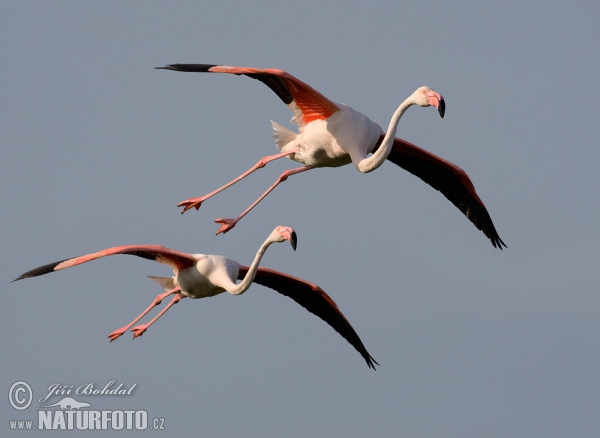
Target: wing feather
<point x="315" y="300"/>
<point x="306" y="102"/>
<point x="448" y="179"/>
<point x="175" y="259"/>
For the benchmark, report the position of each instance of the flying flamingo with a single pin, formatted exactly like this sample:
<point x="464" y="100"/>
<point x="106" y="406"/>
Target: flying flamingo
<point x="201" y="276"/>
<point x="333" y="134"/>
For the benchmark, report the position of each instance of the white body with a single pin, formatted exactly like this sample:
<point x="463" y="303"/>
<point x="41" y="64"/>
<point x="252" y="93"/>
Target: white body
<point x="212" y="275"/>
<point x="347" y="136"/>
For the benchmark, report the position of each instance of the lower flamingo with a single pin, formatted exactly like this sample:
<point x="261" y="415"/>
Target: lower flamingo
<point x="201" y="276"/>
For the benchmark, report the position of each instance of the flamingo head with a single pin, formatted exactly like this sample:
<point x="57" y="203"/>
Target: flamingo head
<point x="425" y="96"/>
<point x="282" y="233"/>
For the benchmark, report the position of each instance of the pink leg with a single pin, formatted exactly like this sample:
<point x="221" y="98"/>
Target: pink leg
<point x="117" y="333"/>
<point x="196" y="202"/>
<point x="140" y="329"/>
<point x="228" y="224"/>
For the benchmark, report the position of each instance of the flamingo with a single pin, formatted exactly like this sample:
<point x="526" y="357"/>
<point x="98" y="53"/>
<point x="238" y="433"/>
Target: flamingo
<point x="201" y="276"/>
<point x="333" y="134"/>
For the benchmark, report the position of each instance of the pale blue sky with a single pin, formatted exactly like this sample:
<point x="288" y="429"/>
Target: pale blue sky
<point x="98" y="148"/>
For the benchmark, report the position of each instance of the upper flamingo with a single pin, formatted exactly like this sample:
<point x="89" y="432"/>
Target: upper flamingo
<point x="201" y="275"/>
<point x="332" y="134"/>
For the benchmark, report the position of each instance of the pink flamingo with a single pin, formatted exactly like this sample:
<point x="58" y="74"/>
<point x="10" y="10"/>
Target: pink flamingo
<point x="332" y="135"/>
<point x="201" y="276"/>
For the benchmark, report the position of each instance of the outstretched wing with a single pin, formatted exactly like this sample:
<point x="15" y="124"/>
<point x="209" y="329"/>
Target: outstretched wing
<point x="449" y="179"/>
<point x="315" y="300"/>
<point x="175" y="259"/>
<point x="306" y="103"/>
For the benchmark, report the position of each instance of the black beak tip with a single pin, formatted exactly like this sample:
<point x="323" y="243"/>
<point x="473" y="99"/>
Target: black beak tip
<point x="294" y="240"/>
<point x="442" y="108"/>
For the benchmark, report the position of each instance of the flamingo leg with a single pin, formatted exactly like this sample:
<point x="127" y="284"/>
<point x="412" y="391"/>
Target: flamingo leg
<point x="228" y="224"/>
<point x="117" y="333"/>
<point x="140" y="329"/>
<point x="196" y="202"/>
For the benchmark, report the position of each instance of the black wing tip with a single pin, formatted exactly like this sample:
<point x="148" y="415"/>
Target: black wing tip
<point x="479" y="216"/>
<point x="46" y="269"/>
<point x="498" y="242"/>
<point x="371" y="362"/>
<point x="199" y="68"/>
<point x="490" y="231"/>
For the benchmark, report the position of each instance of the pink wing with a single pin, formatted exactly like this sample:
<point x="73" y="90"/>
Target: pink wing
<point x="449" y="179"/>
<point x="292" y="91"/>
<point x="315" y="300"/>
<point x="175" y="259"/>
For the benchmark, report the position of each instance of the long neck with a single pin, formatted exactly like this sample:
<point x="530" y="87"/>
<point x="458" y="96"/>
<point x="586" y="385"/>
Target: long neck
<point x="377" y="159"/>
<point x="249" y="278"/>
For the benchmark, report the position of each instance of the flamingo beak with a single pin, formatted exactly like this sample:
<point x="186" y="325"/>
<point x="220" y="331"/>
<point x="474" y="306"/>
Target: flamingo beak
<point x="290" y="235"/>
<point x="293" y="240"/>
<point x="436" y="100"/>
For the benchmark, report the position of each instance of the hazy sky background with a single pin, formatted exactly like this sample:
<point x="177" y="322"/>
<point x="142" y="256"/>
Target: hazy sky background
<point x="98" y="148"/>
